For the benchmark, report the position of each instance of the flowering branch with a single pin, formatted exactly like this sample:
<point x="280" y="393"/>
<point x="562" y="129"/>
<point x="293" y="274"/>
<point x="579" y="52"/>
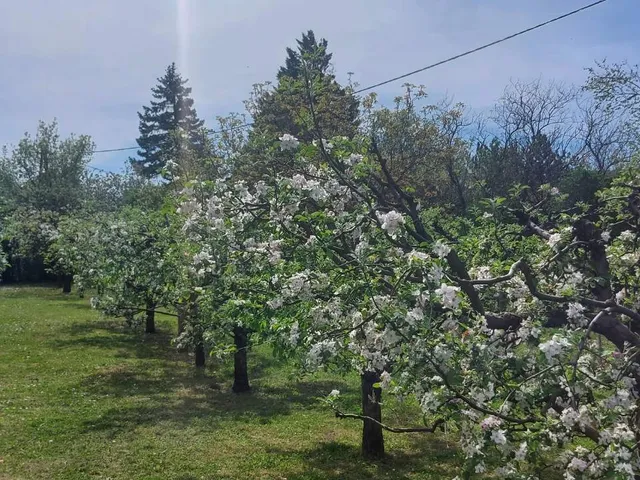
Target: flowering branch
<point x="492" y="281"/>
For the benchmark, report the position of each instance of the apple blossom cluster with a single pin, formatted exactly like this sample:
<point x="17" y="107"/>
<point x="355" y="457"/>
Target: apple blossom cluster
<point x="288" y="142"/>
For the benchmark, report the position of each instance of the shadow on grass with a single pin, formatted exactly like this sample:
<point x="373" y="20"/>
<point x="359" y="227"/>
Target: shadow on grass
<point x="337" y="460"/>
<point x="165" y="386"/>
<point x="113" y="334"/>
<point x="186" y="399"/>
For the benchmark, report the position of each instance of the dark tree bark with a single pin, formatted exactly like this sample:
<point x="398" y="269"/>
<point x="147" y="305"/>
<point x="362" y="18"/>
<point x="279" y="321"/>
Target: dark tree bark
<point x="240" y="374"/>
<point x="181" y="318"/>
<point x="66" y="283"/>
<point x="200" y="355"/>
<point x="372" y="439"/>
<point x="151" y="322"/>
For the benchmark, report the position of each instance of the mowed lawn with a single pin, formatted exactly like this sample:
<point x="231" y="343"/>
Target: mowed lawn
<point x="86" y="398"/>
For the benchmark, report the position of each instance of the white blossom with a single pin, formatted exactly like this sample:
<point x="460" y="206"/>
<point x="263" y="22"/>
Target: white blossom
<point x="414" y="316"/>
<point x="498" y="437"/>
<point x="275" y="303"/>
<point x="577" y="464"/>
<point x="436" y="274"/>
<point x="298" y="181"/>
<point x="328" y="146"/>
<point x="385" y="379"/>
<point x="354" y="159"/>
<point x="490" y="422"/>
<point x="94" y="302"/>
<point x="171" y="165"/>
<point x="430" y="402"/>
<point x="574" y="314"/>
<point x="261" y="188"/>
<point x="521" y="453"/>
<point x="319" y="352"/>
<point x="449" y="295"/>
<point x="554" y="239"/>
<point x="288" y="142"/>
<point x="441" y="250"/>
<point x="552" y="348"/>
<point x="391" y="221"/>
<point x="203" y="257"/>
<point x="569" y="417"/>
<point x="294" y="334"/>
<point x="621" y="432"/>
<point x="415" y="255"/>
<point x="298" y="284"/>
<point x="626" y="468"/>
<point x="627" y="236"/>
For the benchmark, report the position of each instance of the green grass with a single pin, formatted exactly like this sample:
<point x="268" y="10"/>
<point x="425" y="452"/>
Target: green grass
<point x="85" y="398"/>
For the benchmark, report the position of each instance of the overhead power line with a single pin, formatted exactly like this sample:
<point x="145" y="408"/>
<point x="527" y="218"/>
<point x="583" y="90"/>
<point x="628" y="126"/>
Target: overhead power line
<point x="115" y="149"/>
<point x="428" y="67"/>
<point x="230" y="129"/>
<point x="483" y="47"/>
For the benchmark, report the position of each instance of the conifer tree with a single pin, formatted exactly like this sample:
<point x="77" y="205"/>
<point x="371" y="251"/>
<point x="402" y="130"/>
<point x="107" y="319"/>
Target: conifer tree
<point x="166" y="124"/>
<point x="307" y="73"/>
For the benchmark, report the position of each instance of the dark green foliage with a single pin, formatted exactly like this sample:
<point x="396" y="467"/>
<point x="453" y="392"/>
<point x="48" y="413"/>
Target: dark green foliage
<point x="311" y="52"/>
<point x="581" y="184"/>
<point x="540" y="163"/>
<point x="171" y="112"/>
<point x="498" y="167"/>
<point x="495" y="167"/>
<point x="305" y="80"/>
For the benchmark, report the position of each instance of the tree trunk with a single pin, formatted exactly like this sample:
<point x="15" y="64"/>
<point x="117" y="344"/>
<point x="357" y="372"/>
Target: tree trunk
<point x="372" y="439"/>
<point x="181" y="318"/>
<point x="240" y="375"/>
<point x="200" y="356"/>
<point x="151" y="322"/>
<point x="66" y="283"/>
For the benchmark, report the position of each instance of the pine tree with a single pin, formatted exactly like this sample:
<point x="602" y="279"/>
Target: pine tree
<point x="166" y="123"/>
<point x="314" y="53"/>
<point x="286" y="108"/>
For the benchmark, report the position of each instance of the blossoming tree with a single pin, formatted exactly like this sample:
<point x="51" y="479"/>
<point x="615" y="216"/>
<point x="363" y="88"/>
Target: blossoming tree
<point x="494" y="331"/>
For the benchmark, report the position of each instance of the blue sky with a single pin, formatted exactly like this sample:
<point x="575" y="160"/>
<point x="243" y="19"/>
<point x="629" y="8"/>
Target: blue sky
<point x="91" y="64"/>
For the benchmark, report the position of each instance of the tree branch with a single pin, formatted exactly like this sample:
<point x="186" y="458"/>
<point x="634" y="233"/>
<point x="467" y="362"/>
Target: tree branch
<point x="437" y="424"/>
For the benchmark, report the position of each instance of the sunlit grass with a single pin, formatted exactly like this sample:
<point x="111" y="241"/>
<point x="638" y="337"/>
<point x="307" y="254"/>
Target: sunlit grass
<point x="85" y="398"/>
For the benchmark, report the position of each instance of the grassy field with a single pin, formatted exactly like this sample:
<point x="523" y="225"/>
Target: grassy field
<point x="85" y="398"/>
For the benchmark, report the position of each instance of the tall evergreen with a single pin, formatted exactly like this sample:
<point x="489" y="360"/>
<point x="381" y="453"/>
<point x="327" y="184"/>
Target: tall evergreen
<point x="314" y="53"/>
<point x="285" y="109"/>
<point x="170" y="120"/>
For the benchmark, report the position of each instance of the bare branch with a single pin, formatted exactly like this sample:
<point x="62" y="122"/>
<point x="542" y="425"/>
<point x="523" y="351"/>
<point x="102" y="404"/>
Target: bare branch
<point x="437" y="424"/>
